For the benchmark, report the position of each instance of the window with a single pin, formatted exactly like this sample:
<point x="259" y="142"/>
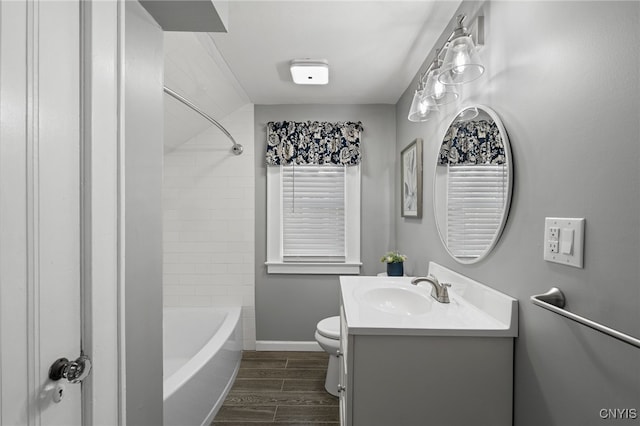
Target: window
<point x="313" y="219"/>
<point x="476" y="197"/>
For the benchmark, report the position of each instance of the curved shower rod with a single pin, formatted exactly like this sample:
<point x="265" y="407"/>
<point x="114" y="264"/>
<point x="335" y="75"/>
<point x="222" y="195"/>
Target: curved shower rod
<point x="236" y="149"/>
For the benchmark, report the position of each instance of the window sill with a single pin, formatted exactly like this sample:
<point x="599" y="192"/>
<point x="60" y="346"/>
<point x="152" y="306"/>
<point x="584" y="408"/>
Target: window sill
<point x="313" y="268"/>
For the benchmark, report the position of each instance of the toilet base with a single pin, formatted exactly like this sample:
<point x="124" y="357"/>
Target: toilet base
<point x="333" y="371"/>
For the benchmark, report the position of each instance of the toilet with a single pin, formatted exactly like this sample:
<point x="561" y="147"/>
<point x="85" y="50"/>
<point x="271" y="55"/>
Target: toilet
<point x="328" y="337"/>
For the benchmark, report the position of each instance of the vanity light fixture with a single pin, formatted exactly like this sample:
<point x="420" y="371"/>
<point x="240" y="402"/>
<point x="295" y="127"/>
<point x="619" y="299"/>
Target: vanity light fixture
<point x="310" y="71"/>
<point x="422" y="108"/>
<point x="434" y="90"/>
<point x="462" y="63"/>
<point x="431" y="93"/>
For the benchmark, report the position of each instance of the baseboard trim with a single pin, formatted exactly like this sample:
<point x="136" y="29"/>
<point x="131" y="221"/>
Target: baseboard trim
<point x="276" y="345"/>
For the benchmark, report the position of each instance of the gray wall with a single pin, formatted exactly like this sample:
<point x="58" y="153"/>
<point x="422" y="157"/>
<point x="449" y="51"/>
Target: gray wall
<point x="143" y="216"/>
<point x="288" y="307"/>
<point x="564" y="77"/>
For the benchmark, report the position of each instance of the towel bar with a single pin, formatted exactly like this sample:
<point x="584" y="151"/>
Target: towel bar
<point x="554" y="301"/>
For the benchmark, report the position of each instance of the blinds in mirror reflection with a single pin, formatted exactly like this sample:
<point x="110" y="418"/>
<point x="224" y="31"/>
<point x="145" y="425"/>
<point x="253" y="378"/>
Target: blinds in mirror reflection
<point x="476" y="196"/>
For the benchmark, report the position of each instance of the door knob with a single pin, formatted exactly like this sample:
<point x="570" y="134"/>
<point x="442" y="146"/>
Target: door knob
<point x="74" y="371"/>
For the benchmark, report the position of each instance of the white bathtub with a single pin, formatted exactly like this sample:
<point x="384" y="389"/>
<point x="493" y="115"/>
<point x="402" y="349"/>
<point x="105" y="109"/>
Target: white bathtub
<point x="201" y="351"/>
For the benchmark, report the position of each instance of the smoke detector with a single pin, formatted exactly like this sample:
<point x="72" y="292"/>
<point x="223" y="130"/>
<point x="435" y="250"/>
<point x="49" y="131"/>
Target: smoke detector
<point x="310" y="71"/>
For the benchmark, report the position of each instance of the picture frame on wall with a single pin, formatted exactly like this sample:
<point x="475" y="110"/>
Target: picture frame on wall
<point x="411" y="179"/>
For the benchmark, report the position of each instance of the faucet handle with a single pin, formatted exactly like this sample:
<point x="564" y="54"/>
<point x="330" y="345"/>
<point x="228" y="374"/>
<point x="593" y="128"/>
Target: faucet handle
<point x="443" y="295"/>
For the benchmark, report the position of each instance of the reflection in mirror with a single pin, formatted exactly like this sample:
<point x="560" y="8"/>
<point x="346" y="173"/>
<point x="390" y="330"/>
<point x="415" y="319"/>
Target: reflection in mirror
<point x="472" y="184"/>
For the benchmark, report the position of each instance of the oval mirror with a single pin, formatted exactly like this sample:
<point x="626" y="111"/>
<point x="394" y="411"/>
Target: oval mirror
<point x="472" y="184"/>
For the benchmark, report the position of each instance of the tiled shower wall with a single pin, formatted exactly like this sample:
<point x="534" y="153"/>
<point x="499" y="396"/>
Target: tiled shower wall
<point x="208" y="211"/>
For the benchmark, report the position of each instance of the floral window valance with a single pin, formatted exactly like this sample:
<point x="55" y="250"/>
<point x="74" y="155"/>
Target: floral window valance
<point x="313" y="142"/>
<point x="472" y="142"/>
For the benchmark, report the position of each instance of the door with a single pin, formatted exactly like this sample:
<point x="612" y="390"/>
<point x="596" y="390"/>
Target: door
<point x="41" y="249"/>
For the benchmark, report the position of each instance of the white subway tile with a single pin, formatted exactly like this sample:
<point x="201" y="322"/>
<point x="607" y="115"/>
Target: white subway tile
<point x="171" y="301"/>
<point x="196" y="300"/>
<point x="240" y="269"/>
<point x="211" y="290"/>
<point x="179" y="268"/>
<point x="248" y="313"/>
<point x="196" y="192"/>
<point x="242" y="182"/>
<point x="195" y="247"/>
<point x="208" y="268"/>
<point x="203" y="225"/>
<point x="198" y="279"/>
<point x="242" y="291"/>
<point x="240" y="246"/>
<point x="170" y="193"/>
<point x="209" y="207"/>
<point x="195" y="236"/>
<point x="191" y="214"/>
<point x="183" y="160"/>
<point x="249" y="332"/>
<point x="173" y="170"/>
<point x="172" y="204"/>
<point x="243" y="279"/>
<point x="171" y="226"/>
<point x="231" y="258"/>
<point x="226" y="300"/>
<point x="170" y="215"/>
<point x="177" y="182"/>
<point x="177" y="290"/>
<point x="248" y="300"/>
<point x="170" y="236"/>
<point x="170" y="279"/>
<point x="175" y="258"/>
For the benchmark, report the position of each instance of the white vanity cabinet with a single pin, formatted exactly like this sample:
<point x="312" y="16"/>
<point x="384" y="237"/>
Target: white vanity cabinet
<point x="396" y="371"/>
<point x="344" y="385"/>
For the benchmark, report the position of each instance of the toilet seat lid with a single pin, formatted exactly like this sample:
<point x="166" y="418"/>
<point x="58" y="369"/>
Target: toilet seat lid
<point x="330" y="327"/>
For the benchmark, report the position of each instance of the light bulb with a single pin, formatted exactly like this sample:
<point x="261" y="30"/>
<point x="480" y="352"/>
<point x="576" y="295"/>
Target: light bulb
<point x="461" y="62"/>
<point x="436" y="92"/>
<point x="423" y="106"/>
<point x="460" y="59"/>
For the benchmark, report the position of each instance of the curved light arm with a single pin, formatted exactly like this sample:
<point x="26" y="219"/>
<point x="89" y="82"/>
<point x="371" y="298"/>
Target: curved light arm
<point x="237" y="148"/>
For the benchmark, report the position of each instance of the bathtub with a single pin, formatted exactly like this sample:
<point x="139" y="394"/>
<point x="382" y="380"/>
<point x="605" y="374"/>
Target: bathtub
<point x="202" y="348"/>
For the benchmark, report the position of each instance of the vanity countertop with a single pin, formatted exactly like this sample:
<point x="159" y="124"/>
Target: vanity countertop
<point x="375" y="305"/>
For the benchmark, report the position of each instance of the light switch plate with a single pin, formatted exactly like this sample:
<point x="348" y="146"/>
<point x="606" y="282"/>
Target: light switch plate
<point x="553" y="235"/>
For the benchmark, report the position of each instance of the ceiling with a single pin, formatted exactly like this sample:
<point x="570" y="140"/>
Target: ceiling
<point x="374" y="48"/>
<point x="193" y="68"/>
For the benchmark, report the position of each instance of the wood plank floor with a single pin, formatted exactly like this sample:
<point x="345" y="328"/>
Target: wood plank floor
<point x="280" y="388"/>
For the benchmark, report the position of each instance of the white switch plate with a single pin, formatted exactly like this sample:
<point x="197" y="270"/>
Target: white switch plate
<point x="553" y="225"/>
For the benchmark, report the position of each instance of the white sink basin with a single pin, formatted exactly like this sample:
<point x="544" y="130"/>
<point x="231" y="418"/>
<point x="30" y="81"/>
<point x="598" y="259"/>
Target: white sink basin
<point x="396" y="300"/>
<point x="392" y="305"/>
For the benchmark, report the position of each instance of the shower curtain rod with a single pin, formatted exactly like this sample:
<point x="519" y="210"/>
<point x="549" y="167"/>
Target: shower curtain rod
<point x="236" y="149"/>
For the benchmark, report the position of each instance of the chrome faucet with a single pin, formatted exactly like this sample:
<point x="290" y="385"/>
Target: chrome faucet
<point x="439" y="291"/>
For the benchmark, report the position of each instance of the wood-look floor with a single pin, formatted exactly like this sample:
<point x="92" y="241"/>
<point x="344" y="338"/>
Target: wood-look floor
<point x="280" y="388"/>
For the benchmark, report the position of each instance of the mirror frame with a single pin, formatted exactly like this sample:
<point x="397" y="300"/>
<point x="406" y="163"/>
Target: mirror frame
<point x="505" y="212"/>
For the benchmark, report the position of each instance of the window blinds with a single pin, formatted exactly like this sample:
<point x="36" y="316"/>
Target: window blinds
<point x="476" y="197"/>
<point x="313" y="206"/>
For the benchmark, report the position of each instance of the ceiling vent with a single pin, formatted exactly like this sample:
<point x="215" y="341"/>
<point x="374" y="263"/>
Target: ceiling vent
<point x="310" y="71"/>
